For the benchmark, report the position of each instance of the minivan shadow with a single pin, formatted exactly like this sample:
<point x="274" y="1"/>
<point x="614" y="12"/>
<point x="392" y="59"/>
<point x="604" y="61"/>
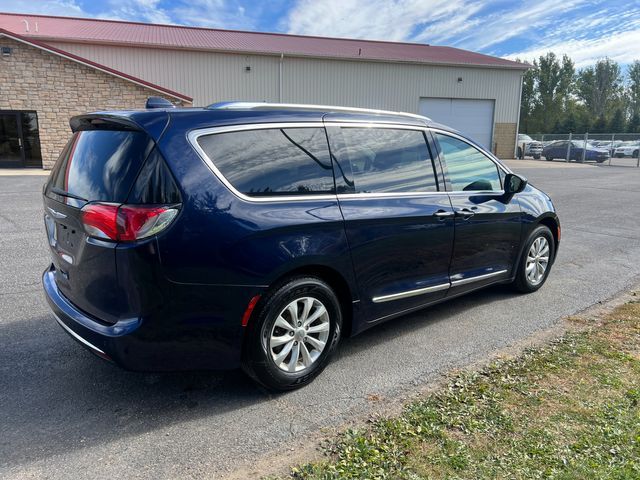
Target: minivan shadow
<point x="55" y="393"/>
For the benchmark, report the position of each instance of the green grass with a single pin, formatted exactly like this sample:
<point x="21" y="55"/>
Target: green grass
<point x="569" y="410"/>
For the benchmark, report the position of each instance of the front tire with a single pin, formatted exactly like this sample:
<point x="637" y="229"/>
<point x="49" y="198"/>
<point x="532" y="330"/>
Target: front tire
<point x="548" y="159"/>
<point x="293" y="334"/>
<point x="536" y="260"/>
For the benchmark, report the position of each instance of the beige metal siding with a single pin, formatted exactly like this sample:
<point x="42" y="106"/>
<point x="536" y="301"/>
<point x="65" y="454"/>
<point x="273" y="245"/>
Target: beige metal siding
<point x="397" y="86"/>
<point x="210" y="77"/>
<point x="207" y="77"/>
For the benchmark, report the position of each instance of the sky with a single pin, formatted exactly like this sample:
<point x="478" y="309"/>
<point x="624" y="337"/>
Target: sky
<point x="586" y="30"/>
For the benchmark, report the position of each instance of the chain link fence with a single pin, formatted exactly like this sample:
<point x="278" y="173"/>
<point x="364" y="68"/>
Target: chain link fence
<point x="621" y="149"/>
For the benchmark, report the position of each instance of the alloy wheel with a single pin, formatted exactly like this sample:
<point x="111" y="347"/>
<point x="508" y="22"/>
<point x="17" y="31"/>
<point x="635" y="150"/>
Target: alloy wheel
<point x="537" y="260"/>
<point x="299" y="334"/>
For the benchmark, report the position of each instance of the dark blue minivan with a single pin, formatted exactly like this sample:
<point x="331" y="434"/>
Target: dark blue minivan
<point x="257" y="235"/>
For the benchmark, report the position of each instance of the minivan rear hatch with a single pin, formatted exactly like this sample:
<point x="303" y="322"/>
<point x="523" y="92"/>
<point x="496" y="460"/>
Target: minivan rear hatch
<point x="97" y="165"/>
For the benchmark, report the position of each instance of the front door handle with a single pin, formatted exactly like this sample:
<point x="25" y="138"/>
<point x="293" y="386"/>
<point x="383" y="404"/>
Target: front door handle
<point x="443" y="214"/>
<point x="465" y="213"/>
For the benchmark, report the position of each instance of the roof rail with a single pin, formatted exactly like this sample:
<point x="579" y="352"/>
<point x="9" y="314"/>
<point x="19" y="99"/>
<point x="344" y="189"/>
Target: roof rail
<point x="302" y="106"/>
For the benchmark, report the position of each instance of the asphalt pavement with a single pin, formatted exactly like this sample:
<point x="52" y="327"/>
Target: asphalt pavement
<point x="66" y="414"/>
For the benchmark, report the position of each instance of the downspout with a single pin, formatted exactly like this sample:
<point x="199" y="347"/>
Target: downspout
<point x="515" y="149"/>
<point x="280" y="78"/>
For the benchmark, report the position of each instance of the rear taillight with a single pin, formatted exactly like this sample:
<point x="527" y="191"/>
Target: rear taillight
<point x="126" y="223"/>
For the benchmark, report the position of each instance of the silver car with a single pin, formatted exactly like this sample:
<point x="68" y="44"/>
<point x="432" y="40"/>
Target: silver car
<point x="528" y="146"/>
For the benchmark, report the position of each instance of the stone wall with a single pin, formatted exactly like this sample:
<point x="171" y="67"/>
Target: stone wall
<point x="504" y="140"/>
<point x="57" y="89"/>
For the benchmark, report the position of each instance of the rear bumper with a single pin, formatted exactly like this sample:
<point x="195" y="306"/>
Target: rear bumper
<point x="106" y="341"/>
<point x="148" y="343"/>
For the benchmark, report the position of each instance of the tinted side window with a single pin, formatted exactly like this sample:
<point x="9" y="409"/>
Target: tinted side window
<point x="468" y="168"/>
<point x="291" y="161"/>
<point x="387" y="160"/>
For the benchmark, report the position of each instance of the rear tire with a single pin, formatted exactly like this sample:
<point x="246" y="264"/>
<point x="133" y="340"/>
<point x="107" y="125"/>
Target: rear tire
<point x="286" y="347"/>
<point x="536" y="260"/>
<point x="536" y="157"/>
<point x="549" y="159"/>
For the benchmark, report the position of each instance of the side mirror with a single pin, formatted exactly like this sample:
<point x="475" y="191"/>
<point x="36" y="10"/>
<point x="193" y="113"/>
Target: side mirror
<point x="514" y="183"/>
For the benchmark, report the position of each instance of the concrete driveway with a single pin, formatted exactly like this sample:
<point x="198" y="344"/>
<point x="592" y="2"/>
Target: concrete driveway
<point x="67" y="414"/>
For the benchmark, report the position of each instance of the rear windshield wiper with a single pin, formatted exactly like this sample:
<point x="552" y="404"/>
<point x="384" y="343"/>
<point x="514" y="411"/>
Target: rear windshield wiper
<point x="67" y="194"/>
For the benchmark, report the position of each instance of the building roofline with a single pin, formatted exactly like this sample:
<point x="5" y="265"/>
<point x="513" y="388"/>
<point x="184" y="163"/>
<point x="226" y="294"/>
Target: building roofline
<point x="161" y="46"/>
<point x="511" y="65"/>
<point x="194" y="27"/>
<point x="92" y="64"/>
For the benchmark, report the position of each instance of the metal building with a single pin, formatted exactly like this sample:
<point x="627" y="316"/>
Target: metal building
<point x="478" y="94"/>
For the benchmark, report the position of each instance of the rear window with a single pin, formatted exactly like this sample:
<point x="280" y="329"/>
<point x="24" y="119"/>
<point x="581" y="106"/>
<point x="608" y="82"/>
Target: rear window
<point x="99" y="165"/>
<point x="270" y="162"/>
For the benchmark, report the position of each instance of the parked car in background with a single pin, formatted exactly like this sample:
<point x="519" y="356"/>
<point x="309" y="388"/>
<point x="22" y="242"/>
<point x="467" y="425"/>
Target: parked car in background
<point x="558" y="149"/>
<point x="627" y="149"/>
<point x="528" y="147"/>
<point x="258" y="235"/>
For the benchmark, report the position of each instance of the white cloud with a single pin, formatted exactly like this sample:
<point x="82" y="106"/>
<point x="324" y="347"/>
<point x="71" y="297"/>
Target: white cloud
<point x="212" y="13"/>
<point x="621" y="47"/>
<point x="69" y="8"/>
<point x="138" y="10"/>
<point x="584" y="29"/>
<point x="373" y="19"/>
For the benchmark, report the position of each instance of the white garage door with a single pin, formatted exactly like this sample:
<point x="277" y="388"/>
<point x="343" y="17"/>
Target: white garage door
<point x="474" y="118"/>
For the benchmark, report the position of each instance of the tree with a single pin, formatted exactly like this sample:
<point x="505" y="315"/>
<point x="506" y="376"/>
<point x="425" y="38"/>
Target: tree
<point x="555" y="84"/>
<point x="634" y="124"/>
<point x="633" y="91"/>
<point x="527" y="100"/>
<point x="600" y="87"/>
<point x="570" y="124"/>
<point x="600" y="125"/>
<point x="617" y="123"/>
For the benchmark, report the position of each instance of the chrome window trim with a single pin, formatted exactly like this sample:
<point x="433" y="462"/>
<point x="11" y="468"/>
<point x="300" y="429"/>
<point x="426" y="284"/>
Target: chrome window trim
<point x="369" y="195"/>
<point x="477" y="278"/>
<point x="410" y="293"/>
<point x="194" y="135"/>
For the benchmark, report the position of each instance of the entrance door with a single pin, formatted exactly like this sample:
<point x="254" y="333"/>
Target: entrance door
<point x="19" y="140"/>
<point x="10" y="141"/>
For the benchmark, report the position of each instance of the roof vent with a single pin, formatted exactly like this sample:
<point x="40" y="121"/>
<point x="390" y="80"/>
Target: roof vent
<point x="158" y="102"/>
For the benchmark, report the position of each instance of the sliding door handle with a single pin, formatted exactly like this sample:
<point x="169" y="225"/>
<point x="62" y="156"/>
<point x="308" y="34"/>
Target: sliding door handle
<point x="443" y="214"/>
<point x="465" y="213"/>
